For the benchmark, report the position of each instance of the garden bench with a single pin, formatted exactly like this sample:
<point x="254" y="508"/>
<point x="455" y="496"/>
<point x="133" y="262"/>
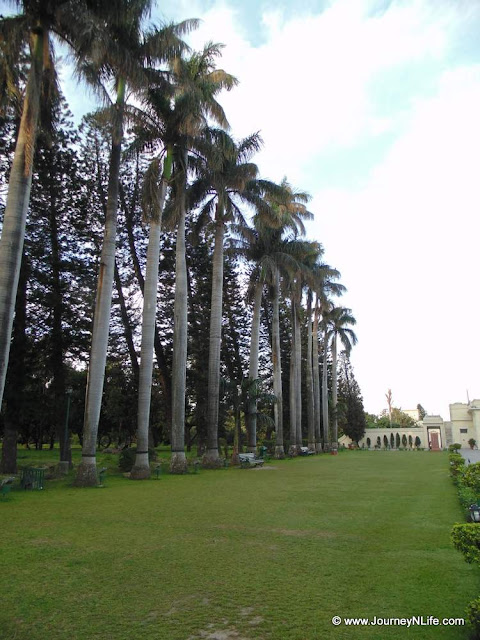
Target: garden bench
<point x="5" y="487"/>
<point x="32" y="478"/>
<point x="249" y="460"/>
<point x="305" y="451"/>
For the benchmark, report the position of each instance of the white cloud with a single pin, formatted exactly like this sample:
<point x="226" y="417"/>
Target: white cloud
<point x="307" y="86"/>
<point x="406" y="242"/>
<point x="408" y="253"/>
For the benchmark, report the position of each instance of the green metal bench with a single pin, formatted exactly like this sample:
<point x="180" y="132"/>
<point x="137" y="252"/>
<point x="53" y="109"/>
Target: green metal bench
<point x="6" y="486"/>
<point x="32" y="478"/>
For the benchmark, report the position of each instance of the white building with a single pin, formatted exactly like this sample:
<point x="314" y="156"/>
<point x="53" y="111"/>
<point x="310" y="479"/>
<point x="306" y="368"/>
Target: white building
<point x="430" y="433"/>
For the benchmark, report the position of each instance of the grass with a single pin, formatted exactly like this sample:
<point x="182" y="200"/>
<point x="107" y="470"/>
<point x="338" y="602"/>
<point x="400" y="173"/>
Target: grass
<point x="236" y="554"/>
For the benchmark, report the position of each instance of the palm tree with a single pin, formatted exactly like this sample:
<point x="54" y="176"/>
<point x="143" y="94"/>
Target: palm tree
<point x="226" y="177"/>
<point x="309" y="376"/>
<point x="337" y="325"/>
<point x="271" y="255"/>
<point x="316" y="377"/>
<point x="321" y="282"/>
<point x="309" y="253"/>
<point x="324" y="287"/>
<point x="197" y="82"/>
<point x="250" y="245"/>
<point x="135" y="51"/>
<point x="292" y="211"/>
<point x="38" y="23"/>
<point x="154" y="199"/>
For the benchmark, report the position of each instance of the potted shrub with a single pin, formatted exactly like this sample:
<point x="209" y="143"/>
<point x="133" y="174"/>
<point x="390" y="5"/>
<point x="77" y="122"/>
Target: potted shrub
<point x="472" y="442"/>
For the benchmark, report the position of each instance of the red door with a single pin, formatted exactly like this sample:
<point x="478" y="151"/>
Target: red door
<point x="434" y="441"/>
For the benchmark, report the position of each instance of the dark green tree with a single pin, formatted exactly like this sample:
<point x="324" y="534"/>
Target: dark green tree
<point x="351" y="413"/>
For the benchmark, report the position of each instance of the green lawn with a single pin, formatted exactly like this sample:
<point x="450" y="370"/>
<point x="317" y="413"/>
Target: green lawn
<point x="235" y="554"/>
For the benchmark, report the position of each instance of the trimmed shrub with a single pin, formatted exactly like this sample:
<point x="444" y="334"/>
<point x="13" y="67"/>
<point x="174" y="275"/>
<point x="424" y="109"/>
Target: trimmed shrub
<point x="473" y="616"/>
<point x="466" y="539"/>
<point x="126" y="459"/>
<point x="471" y="477"/>
<point x="454" y="447"/>
<point x="467" y="496"/>
<point x="457" y="466"/>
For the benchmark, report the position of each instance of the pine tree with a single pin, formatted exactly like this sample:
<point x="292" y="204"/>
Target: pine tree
<point x="351" y="414"/>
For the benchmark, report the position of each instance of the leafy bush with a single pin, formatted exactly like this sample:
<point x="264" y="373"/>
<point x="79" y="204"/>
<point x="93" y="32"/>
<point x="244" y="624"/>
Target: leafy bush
<point x="126" y="459"/>
<point x="466" y="539"/>
<point x="467" y="497"/>
<point x="457" y="466"/>
<point x="454" y="447"/>
<point x="471" y="477"/>
<point x="473" y="616"/>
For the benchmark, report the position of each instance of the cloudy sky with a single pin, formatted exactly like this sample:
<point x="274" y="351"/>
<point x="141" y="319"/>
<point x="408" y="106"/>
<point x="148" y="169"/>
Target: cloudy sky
<point x="373" y="107"/>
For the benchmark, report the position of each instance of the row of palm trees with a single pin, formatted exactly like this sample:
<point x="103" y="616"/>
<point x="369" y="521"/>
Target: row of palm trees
<point x="195" y="165"/>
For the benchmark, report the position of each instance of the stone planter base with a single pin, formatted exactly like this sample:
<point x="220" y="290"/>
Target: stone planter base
<point x="140" y="473"/>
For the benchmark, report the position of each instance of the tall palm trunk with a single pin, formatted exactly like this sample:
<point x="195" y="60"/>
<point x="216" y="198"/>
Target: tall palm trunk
<point x="141" y="468"/>
<point x="326" y="429"/>
<point x="15" y="388"/>
<point x="277" y="368"/>
<point x="292" y="396"/>
<point x="163" y="368"/>
<point x="309" y="377"/>
<point x="298" y="373"/>
<point x="316" y="380"/>
<point x="178" y="463"/>
<point x="334" y="392"/>
<point x="15" y="217"/>
<point x="87" y="470"/>
<point x="211" y="455"/>
<point x="253" y="367"/>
